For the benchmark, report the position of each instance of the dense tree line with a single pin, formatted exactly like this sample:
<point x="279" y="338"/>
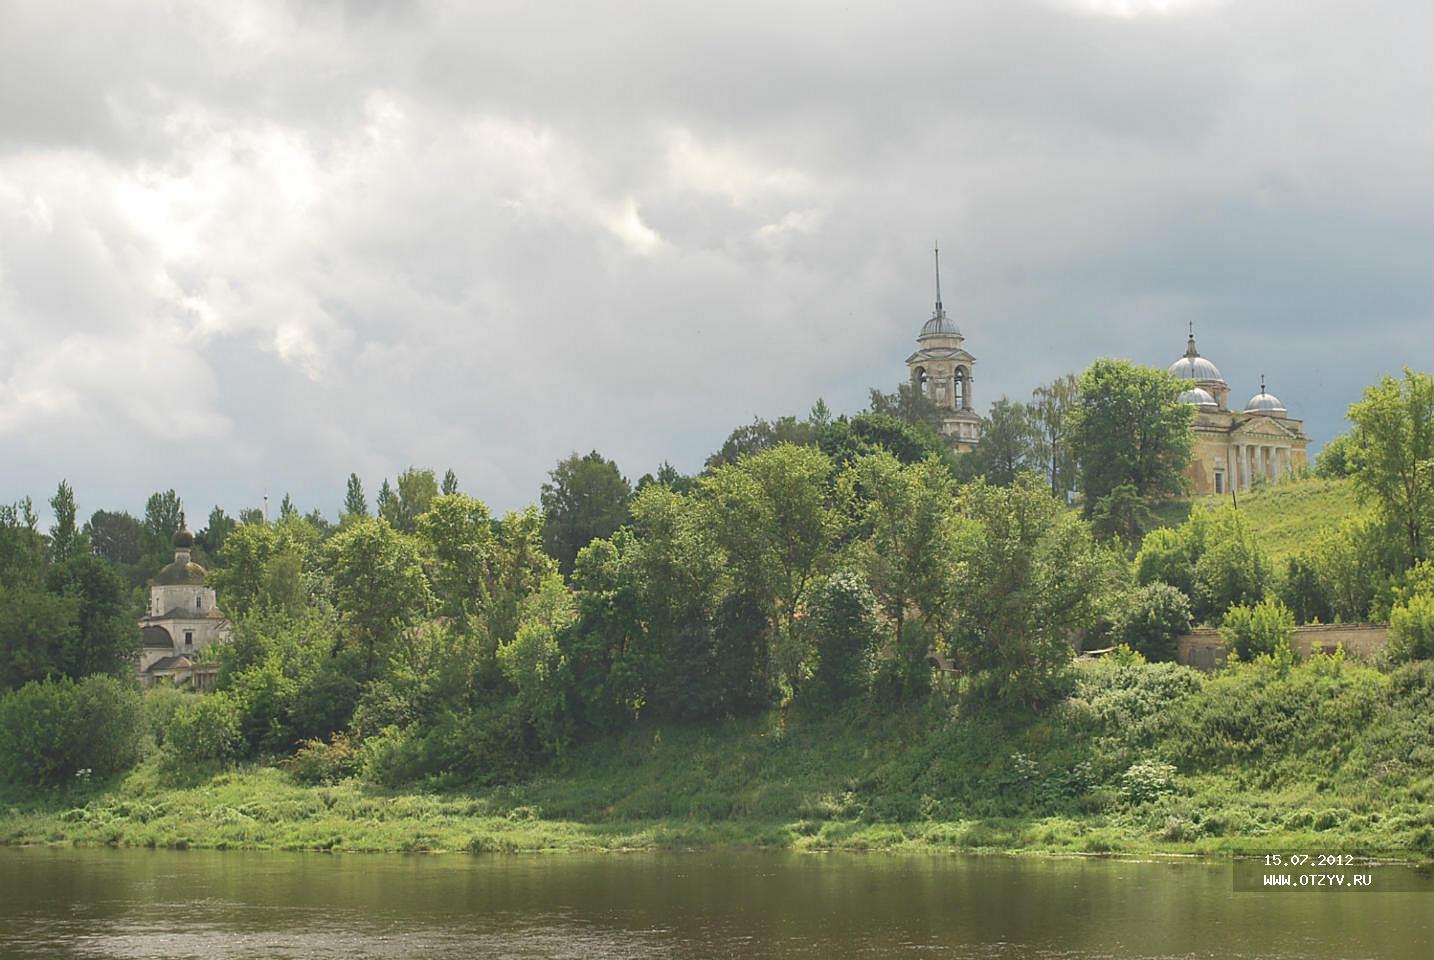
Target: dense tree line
<point x="814" y="562"/>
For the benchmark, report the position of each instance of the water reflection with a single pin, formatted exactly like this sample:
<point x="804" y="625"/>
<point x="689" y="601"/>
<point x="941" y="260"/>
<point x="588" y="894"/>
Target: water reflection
<point x="131" y="903"/>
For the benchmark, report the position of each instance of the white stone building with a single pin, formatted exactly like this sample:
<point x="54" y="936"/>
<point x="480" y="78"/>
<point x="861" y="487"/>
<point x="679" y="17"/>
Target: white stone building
<point x="182" y="620"/>
<point x="941" y="371"/>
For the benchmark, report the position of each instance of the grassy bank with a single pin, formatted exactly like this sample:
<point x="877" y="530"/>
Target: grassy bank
<point x="1142" y="759"/>
<point x="1285" y="518"/>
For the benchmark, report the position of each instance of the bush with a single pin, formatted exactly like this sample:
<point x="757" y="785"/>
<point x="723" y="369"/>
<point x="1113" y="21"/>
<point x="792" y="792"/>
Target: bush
<point x="1151" y="619"/>
<point x="318" y="762"/>
<point x="1411" y="629"/>
<point x="55" y="730"/>
<point x="206" y="730"/>
<point x="1264" y="629"/>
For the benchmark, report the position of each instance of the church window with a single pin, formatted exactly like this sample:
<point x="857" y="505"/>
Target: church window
<point x="188" y="639"/>
<point x="959" y="388"/>
<point x="1219" y="482"/>
<point x="198" y="602"/>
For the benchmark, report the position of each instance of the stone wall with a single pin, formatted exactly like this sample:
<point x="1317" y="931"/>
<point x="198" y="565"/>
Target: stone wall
<point x="1201" y="648"/>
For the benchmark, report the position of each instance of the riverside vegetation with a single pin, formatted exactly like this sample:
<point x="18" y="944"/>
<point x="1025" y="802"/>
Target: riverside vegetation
<point x="741" y="657"/>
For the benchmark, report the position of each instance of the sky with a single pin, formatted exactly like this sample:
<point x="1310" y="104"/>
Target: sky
<point x="253" y="247"/>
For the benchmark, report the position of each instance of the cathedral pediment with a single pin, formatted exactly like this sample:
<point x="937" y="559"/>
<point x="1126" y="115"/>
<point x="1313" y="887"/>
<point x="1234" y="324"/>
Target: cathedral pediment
<point x="1264" y="427"/>
<point x="929" y="354"/>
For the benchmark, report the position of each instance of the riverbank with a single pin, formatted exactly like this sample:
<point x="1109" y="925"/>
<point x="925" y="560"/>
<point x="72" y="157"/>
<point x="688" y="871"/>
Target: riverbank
<point x="1143" y="759"/>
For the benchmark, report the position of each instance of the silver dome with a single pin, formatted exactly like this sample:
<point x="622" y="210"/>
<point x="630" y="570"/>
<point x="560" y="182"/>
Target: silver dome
<point x="1199" y="397"/>
<point x="1192" y="366"/>
<point x="1263" y="402"/>
<point x="939" y="325"/>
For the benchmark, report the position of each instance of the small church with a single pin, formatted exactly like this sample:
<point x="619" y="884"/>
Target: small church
<point x="181" y="621"/>
<point x="941" y="371"/>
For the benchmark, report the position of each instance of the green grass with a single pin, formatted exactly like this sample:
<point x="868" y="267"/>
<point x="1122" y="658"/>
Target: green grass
<point x="1285" y="518"/>
<point x="1144" y="759"/>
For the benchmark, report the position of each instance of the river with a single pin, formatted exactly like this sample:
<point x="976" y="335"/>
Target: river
<point x="62" y="902"/>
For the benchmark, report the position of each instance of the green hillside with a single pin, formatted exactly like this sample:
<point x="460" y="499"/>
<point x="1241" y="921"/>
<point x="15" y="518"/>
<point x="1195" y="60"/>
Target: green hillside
<point x="1286" y="517"/>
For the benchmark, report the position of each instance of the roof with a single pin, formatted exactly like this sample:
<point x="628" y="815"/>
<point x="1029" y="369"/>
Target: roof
<point x="939" y="325"/>
<point x="1192" y="366"/>
<point x="1198" y="396"/>
<point x="167" y="664"/>
<point x="180" y="574"/>
<point x="156" y="636"/>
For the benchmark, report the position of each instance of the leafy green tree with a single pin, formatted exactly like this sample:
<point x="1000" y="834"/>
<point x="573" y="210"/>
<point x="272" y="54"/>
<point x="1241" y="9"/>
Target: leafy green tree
<point x="1411" y="629"/>
<point x="450" y="483"/>
<point x="1030" y="578"/>
<point x="287" y="509"/>
<point x="585" y="500"/>
<point x="1337" y="458"/>
<point x="355" y="504"/>
<point x="1051" y="406"/>
<point x="1122" y="513"/>
<point x="104" y="638"/>
<point x="163" y="514"/>
<point x="1151" y="620"/>
<point x="1394" y="436"/>
<point x="211" y="538"/>
<point x="534" y="664"/>
<point x="1232" y="568"/>
<point x="845" y="639"/>
<point x="65" y="537"/>
<point x="667" y="476"/>
<point x="762" y="435"/>
<point x="906" y="404"/>
<point x="843" y="440"/>
<point x="1127" y="427"/>
<point x="387" y="506"/>
<point x="771" y="515"/>
<point x="1010" y="442"/>
<point x="907" y="520"/>
<point x="458" y="534"/>
<point x="53" y="731"/>
<point x="378" y="583"/>
<point x="35" y="626"/>
<point x="270" y="567"/>
<point x="117" y="537"/>
<point x="1265" y="628"/>
<point x="252" y="516"/>
<point x="1300" y="590"/>
<point x="22" y="548"/>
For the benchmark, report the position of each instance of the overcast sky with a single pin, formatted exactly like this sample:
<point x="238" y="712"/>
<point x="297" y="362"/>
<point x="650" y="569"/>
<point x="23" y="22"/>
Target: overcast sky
<point x="256" y="246"/>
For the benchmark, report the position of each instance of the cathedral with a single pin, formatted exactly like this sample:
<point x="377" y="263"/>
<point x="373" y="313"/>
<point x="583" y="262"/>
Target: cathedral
<point x="941" y="372"/>
<point x="1234" y="449"/>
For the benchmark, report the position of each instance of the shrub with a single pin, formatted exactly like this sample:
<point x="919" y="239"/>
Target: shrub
<point x="1151" y="619"/>
<point x="54" y="730"/>
<point x="207" y="729"/>
<point x="1146" y="781"/>
<point x="318" y="762"/>
<point x="1411" y="629"/>
<point x="1265" y="628"/>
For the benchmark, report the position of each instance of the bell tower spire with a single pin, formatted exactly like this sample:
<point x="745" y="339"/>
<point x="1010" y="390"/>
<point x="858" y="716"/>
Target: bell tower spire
<point x="937" y="251"/>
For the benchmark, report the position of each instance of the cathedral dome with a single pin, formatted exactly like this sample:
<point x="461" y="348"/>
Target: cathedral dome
<point x="1192" y="366"/>
<point x="939" y="325"/>
<point x="1199" y="397"/>
<point x="1263" y="402"/>
<point x="183" y="539"/>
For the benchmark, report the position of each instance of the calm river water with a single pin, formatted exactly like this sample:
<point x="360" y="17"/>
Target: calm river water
<point x="143" y="903"/>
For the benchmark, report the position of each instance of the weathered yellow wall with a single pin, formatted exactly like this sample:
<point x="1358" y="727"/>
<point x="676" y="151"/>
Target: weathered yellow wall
<point x="1202" y="648"/>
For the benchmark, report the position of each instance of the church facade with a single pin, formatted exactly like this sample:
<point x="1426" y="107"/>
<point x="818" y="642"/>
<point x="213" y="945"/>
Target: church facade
<point x="941" y="371"/>
<point x="1233" y="449"/>
<point x="181" y="621"/>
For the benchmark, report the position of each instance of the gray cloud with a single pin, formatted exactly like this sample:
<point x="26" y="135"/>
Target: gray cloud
<point x="258" y="246"/>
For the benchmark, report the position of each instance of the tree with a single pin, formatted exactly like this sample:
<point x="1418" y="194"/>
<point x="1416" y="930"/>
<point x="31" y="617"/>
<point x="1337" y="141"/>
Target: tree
<point x="1030" y="577"/>
<point x="845" y="440"/>
<point x="845" y="639"/>
<point x="211" y="538"/>
<point x="585" y="500"/>
<point x="1337" y="458"/>
<point x="1394" y="436"/>
<point x="65" y="537"/>
<point x="1411" y="629"/>
<point x="1127" y="427"/>
<point x="1010" y="443"/>
<point x="355" y="504"/>
<point x="457" y="532"/>
<point x="1151" y="619"/>
<point x="667" y="476"/>
<point x="1051" y="407"/>
<point x="117" y="537"/>
<point x="378" y="582"/>
<point x="386" y="506"/>
<point x="450" y="482"/>
<point x="761" y="435"/>
<point x="1262" y="629"/>
<point x="104" y="638"/>
<point x="906" y="404"/>
<point x="163" y="514"/>
<point x="416" y="489"/>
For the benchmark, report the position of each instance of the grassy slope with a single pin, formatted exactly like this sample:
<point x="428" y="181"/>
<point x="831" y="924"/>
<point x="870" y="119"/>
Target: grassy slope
<point x="1334" y="760"/>
<point x="1285" y="518"/>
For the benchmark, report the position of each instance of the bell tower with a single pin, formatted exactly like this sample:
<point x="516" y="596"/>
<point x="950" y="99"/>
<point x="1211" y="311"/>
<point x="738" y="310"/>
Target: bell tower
<point x="942" y="372"/>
